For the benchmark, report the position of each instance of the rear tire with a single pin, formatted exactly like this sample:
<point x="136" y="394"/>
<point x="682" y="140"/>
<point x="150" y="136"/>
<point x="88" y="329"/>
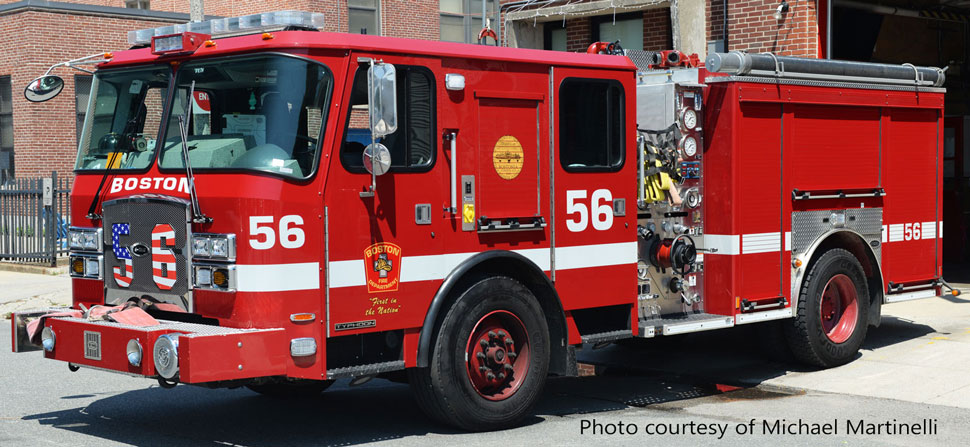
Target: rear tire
<point x="498" y="326"/>
<point x="833" y="311"/>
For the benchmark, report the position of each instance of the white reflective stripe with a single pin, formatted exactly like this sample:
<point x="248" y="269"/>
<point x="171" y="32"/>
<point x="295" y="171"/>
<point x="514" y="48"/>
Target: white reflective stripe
<point x="760" y="243"/>
<point x="885" y="234"/>
<point x="278" y="277"/>
<point x="788" y="241"/>
<point x="895" y="232"/>
<point x="436" y="267"/>
<point x="347" y="273"/>
<point x="721" y="244"/>
<point x="940" y="233"/>
<point x="585" y="256"/>
<point x="433" y="267"/>
<point x="928" y="230"/>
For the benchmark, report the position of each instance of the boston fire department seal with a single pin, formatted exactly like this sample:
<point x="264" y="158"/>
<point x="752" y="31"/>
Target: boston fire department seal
<point x="382" y="261"/>
<point x="507" y="157"/>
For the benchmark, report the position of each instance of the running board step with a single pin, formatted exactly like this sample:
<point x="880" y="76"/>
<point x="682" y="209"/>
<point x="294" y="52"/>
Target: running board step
<point x="684" y="324"/>
<point x="607" y="336"/>
<point x="365" y="370"/>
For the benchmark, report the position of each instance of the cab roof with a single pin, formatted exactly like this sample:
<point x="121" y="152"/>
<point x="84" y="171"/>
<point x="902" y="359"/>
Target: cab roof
<point x="296" y="40"/>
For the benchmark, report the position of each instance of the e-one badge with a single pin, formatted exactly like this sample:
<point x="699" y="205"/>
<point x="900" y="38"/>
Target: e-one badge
<point x="507" y="157"/>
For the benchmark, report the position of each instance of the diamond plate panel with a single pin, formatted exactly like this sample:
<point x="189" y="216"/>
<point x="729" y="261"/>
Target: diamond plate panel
<point x="867" y="221"/>
<point x="808" y="226"/>
<point x="142" y="213"/>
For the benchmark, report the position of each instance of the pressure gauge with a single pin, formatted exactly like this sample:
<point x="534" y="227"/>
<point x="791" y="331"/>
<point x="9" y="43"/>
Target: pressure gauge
<point x="689" y="144"/>
<point x="689" y="119"/>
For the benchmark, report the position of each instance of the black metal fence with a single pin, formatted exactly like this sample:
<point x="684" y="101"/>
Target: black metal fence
<point x="34" y="219"/>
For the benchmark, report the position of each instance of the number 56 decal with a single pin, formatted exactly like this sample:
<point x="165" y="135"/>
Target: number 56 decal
<point x="164" y="271"/>
<point x="601" y="205"/>
<point x="264" y="237"/>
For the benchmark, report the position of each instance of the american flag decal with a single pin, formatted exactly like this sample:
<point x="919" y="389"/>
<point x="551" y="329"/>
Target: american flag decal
<point x="163" y="260"/>
<point x="123" y="275"/>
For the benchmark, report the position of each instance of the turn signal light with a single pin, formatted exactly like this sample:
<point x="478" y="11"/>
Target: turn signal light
<point x="77" y="266"/>
<point x="303" y="317"/>
<point x="220" y="277"/>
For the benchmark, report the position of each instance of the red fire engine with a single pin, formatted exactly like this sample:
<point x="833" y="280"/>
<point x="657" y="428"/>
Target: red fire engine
<point x="283" y="207"/>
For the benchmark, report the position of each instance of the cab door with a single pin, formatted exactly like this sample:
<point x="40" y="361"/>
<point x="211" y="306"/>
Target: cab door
<point x="376" y="242"/>
<point x="595" y="250"/>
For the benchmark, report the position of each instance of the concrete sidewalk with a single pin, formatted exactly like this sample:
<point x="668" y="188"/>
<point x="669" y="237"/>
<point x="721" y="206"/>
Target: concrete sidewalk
<point x="23" y="291"/>
<point x="920" y="353"/>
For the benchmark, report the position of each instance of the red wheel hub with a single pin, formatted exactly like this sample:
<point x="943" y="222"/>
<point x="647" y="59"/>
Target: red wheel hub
<point x="497" y="355"/>
<point x="839" y="309"/>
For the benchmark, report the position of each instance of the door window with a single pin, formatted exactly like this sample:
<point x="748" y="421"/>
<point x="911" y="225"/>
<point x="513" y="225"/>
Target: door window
<point x="413" y="145"/>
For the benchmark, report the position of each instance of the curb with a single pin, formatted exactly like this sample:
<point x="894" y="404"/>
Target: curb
<point x="61" y="268"/>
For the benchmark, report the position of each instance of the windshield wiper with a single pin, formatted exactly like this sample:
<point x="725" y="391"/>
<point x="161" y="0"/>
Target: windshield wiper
<point x="197" y="215"/>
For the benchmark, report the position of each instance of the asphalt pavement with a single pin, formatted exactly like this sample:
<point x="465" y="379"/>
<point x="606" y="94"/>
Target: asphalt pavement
<point x="678" y="391"/>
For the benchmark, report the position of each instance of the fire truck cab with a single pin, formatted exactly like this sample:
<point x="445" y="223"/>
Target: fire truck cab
<point x="283" y="207"/>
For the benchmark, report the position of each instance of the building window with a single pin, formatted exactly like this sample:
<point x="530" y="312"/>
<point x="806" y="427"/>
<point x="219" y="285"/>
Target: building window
<point x="82" y="91"/>
<point x="591" y="125"/>
<point x="413" y="145"/>
<point x="627" y="28"/>
<point x="6" y="131"/>
<point x="461" y="20"/>
<point x="364" y="16"/>
<point x="137" y="4"/>
<point x="554" y="36"/>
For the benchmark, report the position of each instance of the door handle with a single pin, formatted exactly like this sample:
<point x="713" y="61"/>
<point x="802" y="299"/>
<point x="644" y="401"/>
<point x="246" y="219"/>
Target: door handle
<point x="453" y="137"/>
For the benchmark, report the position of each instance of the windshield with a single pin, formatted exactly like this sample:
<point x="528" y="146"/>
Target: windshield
<point x="122" y="119"/>
<point x="261" y="113"/>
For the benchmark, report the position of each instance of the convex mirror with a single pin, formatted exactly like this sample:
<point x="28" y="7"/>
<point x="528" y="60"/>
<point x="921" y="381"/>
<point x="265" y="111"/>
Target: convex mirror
<point x="44" y="88"/>
<point x="377" y="159"/>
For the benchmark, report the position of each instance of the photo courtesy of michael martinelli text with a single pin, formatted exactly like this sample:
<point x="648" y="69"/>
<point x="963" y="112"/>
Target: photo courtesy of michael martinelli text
<point x="783" y="428"/>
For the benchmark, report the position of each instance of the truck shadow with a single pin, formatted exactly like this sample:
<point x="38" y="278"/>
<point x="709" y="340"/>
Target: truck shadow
<point x="636" y="374"/>
<point x="377" y="411"/>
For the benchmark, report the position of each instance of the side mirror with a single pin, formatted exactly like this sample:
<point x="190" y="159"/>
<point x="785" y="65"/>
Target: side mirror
<point x="44" y="88"/>
<point x="377" y="159"/>
<point x="382" y="97"/>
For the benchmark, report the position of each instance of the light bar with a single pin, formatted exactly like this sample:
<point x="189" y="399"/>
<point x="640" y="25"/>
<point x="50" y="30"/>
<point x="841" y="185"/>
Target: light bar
<point x="254" y="23"/>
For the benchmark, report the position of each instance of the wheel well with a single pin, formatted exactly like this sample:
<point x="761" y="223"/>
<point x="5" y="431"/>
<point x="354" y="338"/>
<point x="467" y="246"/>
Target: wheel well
<point x="857" y="246"/>
<point x="499" y="263"/>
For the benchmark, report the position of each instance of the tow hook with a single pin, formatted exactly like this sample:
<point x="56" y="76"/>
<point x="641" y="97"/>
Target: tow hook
<point x="166" y="383"/>
<point x="73" y="367"/>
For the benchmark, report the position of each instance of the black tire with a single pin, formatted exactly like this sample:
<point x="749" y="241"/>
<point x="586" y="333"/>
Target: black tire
<point x="292" y="389"/>
<point x="806" y="336"/>
<point x="445" y="389"/>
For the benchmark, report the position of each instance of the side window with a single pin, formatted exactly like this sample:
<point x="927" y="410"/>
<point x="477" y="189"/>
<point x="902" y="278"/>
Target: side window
<point x="591" y="125"/>
<point x="413" y="145"/>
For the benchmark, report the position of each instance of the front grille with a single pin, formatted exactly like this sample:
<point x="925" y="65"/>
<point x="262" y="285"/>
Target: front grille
<point x="160" y="272"/>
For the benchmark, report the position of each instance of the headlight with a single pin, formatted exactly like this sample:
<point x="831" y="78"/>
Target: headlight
<point x="85" y="239"/>
<point x="221" y="247"/>
<point x="200" y="247"/>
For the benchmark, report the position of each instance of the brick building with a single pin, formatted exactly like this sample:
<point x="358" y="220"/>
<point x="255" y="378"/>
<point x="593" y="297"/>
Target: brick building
<point x="38" y="139"/>
<point x="42" y="33"/>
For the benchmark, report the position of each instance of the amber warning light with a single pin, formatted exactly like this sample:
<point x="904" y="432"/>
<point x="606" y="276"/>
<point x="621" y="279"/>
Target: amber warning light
<point x="185" y="42"/>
